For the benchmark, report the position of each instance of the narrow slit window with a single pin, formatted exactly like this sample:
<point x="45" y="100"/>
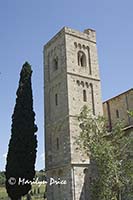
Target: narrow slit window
<point x="56" y="99"/>
<point x="92" y="98"/>
<point x="84" y="96"/>
<point x="117" y="114"/>
<point x="57" y="143"/>
<point x="55" y="64"/>
<point x="89" y="61"/>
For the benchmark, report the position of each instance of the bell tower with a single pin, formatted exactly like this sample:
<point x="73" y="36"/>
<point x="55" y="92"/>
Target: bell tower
<point x="71" y="81"/>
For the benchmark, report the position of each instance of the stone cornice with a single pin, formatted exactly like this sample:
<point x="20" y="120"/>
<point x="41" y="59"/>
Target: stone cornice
<point x="82" y="76"/>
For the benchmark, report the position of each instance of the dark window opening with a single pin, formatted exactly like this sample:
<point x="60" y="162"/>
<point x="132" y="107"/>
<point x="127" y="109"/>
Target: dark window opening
<point x="84" y="96"/>
<point x="55" y="64"/>
<point x="92" y="99"/>
<point x="89" y="61"/>
<point x="81" y="59"/>
<point x="78" y="82"/>
<point x="57" y="143"/>
<point x="56" y="99"/>
<point x="117" y="113"/>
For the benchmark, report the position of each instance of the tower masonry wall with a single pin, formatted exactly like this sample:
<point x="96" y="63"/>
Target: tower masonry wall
<point x="80" y="78"/>
<point x="56" y="103"/>
<point x="71" y="74"/>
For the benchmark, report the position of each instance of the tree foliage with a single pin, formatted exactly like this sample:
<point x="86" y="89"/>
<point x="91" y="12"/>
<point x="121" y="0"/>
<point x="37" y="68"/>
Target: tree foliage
<point x="2" y="178"/>
<point x="23" y="143"/>
<point x="111" y="153"/>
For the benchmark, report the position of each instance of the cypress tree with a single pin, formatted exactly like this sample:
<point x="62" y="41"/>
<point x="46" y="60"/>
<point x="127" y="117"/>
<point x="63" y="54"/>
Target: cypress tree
<point x="23" y="143"/>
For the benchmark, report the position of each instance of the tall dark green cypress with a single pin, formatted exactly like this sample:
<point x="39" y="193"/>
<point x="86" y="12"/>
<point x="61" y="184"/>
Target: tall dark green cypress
<point x="23" y="143"/>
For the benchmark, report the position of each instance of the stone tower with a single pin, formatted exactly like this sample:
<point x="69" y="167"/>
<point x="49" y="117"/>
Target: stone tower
<point x="71" y="81"/>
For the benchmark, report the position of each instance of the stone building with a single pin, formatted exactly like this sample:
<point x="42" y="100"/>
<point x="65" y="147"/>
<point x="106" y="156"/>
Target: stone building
<point x="71" y="81"/>
<point x="116" y="109"/>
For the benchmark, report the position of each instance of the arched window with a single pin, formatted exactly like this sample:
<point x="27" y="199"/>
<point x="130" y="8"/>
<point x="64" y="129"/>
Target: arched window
<point x="78" y="82"/>
<point x="82" y="83"/>
<point x="87" y="85"/>
<point x="55" y="63"/>
<point x="81" y="59"/>
<point x="84" y="96"/>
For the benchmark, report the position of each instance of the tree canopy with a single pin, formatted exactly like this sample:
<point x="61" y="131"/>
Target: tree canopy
<point x="23" y="143"/>
<point x="111" y="153"/>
